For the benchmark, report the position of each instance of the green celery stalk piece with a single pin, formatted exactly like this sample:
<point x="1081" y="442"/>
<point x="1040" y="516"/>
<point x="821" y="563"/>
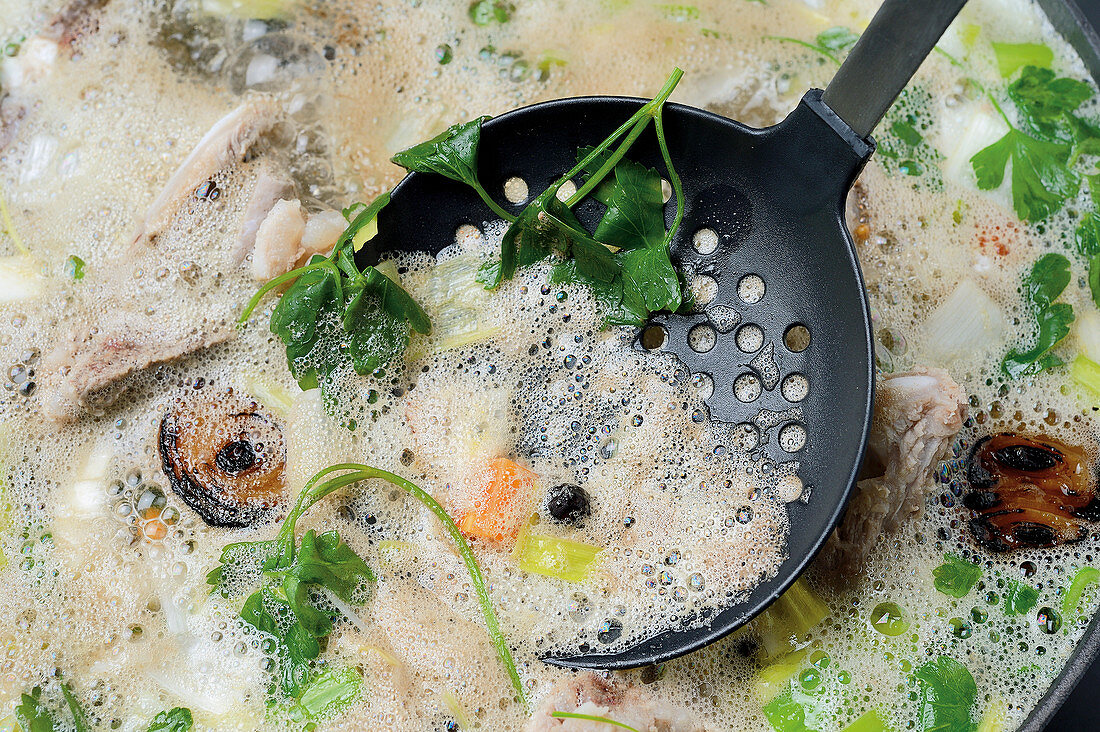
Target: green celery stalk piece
<point x="791" y="616"/>
<point x="772" y="680"/>
<point x="1012" y="56"/>
<point x="869" y="722"/>
<point x="560" y="558"/>
<point x="1085" y="372"/>
<point x="1085" y="576"/>
<point x="786" y="715"/>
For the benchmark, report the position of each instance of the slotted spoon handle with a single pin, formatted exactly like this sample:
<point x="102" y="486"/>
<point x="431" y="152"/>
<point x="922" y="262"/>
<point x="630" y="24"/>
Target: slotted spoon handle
<point x="884" y="59"/>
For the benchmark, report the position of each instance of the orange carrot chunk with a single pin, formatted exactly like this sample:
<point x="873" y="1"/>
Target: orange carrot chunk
<point x="501" y="496"/>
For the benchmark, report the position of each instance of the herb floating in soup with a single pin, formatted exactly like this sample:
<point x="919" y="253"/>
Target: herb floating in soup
<point x="251" y="481"/>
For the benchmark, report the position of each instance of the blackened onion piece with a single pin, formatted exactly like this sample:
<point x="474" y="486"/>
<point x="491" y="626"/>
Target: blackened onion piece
<point x="1029" y="492"/>
<point x="224" y="456"/>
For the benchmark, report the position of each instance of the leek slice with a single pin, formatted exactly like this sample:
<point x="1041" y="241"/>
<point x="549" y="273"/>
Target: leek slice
<point x="967" y="321"/>
<point x="781" y="627"/>
<point x="458" y="305"/>
<point x="869" y="722"/>
<point x="249" y="9"/>
<point x="1084" y="577"/>
<point x="1086" y="372"/>
<point x="560" y="558"/>
<point x="773" y="680"/>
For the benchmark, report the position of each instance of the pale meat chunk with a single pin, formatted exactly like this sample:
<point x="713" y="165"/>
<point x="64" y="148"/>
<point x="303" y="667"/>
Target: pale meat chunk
<point x="587" y="693"/>
<point x="917" y="416"/>
<point x="228" y="141"/>
<point x="278" y="240"/>
<point x="270" y="188"/>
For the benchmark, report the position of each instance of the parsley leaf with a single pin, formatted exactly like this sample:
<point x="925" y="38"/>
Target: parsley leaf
<point x="74" y="267"/>
<point x="334" y="312"/>
<point x="1019" y="598"/>
<point x="177" y="719"/>
<point x="625" y="262"/>
<point x="452" y="154"/>
<point x="1044" y="100"/>
<point x="956" y="576"/>
<point x="948" y="692"/>
<point x="484" y="12"/>
<point x="32" y="715"/>
<point x="1041" y="179"/>
<point x="285" y="605"/>
<point x="1046" y="281"/>
<point x="1087" y="236"/>
<point x="837" y="38"/>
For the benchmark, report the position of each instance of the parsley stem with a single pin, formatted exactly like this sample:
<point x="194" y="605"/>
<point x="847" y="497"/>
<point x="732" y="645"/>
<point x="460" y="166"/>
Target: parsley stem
<point x="314" y="491"/>
<point x="491" y="203"/>
<point x="959" y="65"/>
<point x="673" y="176"/>
<point x="275" y="282"/>
<point x="807" y="44"/>
<point x="635" y="124"/>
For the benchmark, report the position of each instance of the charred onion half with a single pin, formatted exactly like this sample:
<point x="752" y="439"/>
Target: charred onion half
<point x="1029" y="492"/>
<point x="224" y="456"/>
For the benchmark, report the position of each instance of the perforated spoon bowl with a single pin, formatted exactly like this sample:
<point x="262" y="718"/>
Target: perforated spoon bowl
<point x="764" y="219"/>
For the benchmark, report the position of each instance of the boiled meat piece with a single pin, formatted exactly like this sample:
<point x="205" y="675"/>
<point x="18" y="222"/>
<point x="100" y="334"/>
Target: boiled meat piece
<point x="917" y="415"/>
<point x="227" y="142"/>
<point x="587" y="693"/>
<point x="270" y="188"/>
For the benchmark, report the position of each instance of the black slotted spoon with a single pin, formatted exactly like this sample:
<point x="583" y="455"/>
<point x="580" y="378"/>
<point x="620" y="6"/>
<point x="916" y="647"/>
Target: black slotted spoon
<point x="775" y="199"/>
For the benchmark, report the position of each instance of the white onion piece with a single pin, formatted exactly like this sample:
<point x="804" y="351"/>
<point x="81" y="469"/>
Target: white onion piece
<point x="965" y="323"/>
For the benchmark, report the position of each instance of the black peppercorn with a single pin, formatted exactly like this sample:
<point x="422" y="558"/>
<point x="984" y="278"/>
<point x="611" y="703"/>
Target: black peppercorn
<point x="568" y="503"/>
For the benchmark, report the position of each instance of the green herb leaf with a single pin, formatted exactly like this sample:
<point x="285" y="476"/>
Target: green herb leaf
<point x="1094" y="278"/>
<point x="956" y="576"/>
<point x="1019" y="598"/>
<point x="1011" y="56"/>
<point x="948" y="692"/>
<point x="484" y="12"/>
<point x="74" y="267"/>
<point x="294" y="646"/>
<point x="1087" y="236"/>
<point x="452" y="153"/>
<point x="80" y="717"/>
<point x="1085" y="137"/>
<point x="1054" y="325"/>
<point x="1044" y="100"/>
<point x="306" y="319"/>
<point x="1041" y="179"/>
<point x="837" y="38"/>
<point x="635" y="216"/>
<point x="32" y="715"/>
<point x="1044" y="283"/>
<point x="1048" y="277"/>
<point x="177" y="719"/>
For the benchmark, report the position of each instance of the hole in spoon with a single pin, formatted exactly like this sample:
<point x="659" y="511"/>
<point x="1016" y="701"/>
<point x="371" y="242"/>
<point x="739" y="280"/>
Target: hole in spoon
<point x="702" y="338"/>
<point x="654" y="337"/>
<point x="704" y="289"/>
<point x="747" y="388"/>
<point x="705" y="241"/>
<point x="797" y="338"/>
<point x="515" y="189"/>
<point x="750" y="337"/>
<point x="795" y="387"/>
<point x="751" y="288"/>
<point x="792" y="437"/>
<point x="565" y="190"/>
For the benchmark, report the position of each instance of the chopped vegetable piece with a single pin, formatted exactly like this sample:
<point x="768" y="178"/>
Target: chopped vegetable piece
<point x="774" y="678"/>
<point x="1012" y="56"/>
<point x="74" y="267"/>
<point x="501" y="502"/>
<point x="786" y="715"/>
<point x="786" y="620"/>
<point x="1071" y="602"/>
<point x="948" y="692"/>
<point x="869" y="722"/>
<point x="994" y="716"/>
<point x="177" y="719"/>
<point x="1086" y="372"/>
<point x="592" y="718"/>
<point x="968" y="321"/>
<point x="561" y="558"/>
<point x="333" y="689"/>
<point x="1046" y="281"/>
<point x="956" y="576"/>
<point x="1019" y="598"/>
<point x="454" y="706"/>
<point x="274" y="397"/>
<point x="1094" y="278"/>
<point x="248" y="9"/>
<point x="9" y="227"/>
